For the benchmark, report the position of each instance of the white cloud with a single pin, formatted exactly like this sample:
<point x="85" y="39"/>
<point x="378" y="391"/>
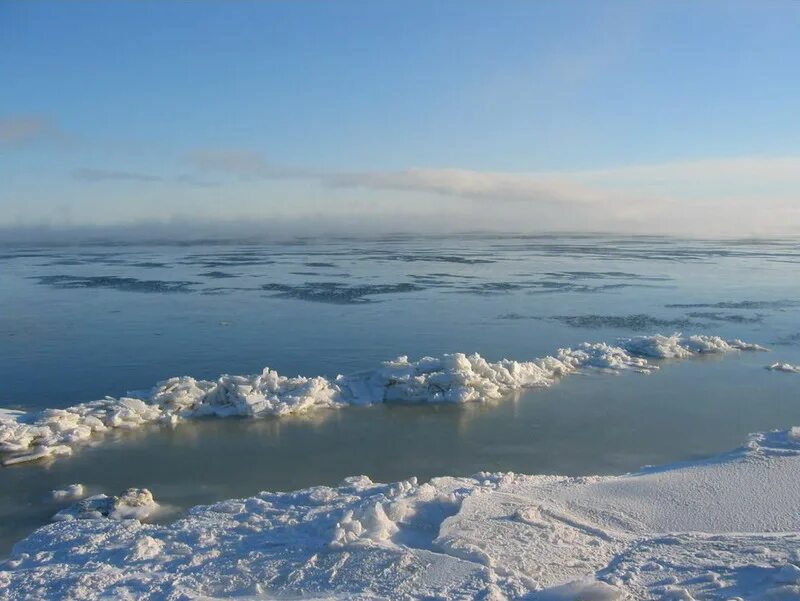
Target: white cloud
<point x="465" y="183"/>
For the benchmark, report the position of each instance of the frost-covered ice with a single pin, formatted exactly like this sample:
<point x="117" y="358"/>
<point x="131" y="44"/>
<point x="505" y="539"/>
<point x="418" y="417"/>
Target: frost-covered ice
<point x="134" y="503"/>
<point x="785" y="367"/>
<point x="70" y="493"/>
<point x="451" y="378"/>
<point x="723" y="528"/>
<point x="675" y="347"/>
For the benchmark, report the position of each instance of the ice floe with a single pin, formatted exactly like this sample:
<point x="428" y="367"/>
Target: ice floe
<point x="721" y="528"/>
<point x="785" y="367"/>
<point x="451" y="378"/>
<point x="70" y="493"/>
<point x="134" y="503"/>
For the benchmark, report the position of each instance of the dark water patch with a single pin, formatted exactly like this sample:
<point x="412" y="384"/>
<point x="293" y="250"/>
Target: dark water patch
<point x="565" y="286"/>
<point x="244" y="262"/>
<point x="327" y="274"/>
<point x="220" y="290"/>
<point x="337" y="292"/>
<point x="230" y="259"/>
<point x="572" y="287"/>
<point x="636" y="322"/>
<point x="531" y="286"/>
<point x="518" y="316"/>
<point x="426" y="258"/>
<point x="747" y="304"/>
<point x="86" y="259"/>
<point x="320" y="264"/>
<point x="793" y="261"/>
<point x="487" y="288"/>
<point x="248" y="253"/>
<point x="540" y="287"/>
<point x="604" y="275"/>
<point x="65" y="263"/>
<point x="497" y="287"/>
<point x="434" y="281"/>
<point x="615" y="287"/>
<point x="218" y="275"/>
<point x="458" y="276"/>
<point x="728" y="317"/>
<point x="98" y="258"/>
<point x="8" y="256"/>
<point x="150" y="264"/>
<point x="115" y="283"/>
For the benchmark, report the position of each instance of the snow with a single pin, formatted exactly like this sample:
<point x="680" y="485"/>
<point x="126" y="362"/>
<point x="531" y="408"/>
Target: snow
<point x="451" y="378"/>
<point x="723" y="528"/>
<point x="785" y="367"/>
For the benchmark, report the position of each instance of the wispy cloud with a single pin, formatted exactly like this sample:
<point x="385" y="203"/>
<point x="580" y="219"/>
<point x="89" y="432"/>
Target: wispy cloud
<point x="21" y="130"/>
<point x="495" y="186"/>
<point x="110" y="175"/>
<point x="704" y="179"/>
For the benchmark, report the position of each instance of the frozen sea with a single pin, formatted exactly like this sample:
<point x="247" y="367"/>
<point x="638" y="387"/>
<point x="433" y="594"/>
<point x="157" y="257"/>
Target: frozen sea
<point x="78" y="323"/>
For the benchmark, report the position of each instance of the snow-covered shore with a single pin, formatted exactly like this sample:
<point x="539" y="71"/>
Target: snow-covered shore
<point x="723" y="528"/>
<point x="451" y="378"/>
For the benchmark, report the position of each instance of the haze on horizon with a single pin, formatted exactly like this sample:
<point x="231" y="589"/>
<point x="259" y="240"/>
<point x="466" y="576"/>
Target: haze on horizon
<point x="665" y="117"/>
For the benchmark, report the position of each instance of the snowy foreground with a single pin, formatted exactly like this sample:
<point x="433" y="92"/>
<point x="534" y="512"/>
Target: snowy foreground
<point x="455" y="378"/>
<point x="725" y="528"/>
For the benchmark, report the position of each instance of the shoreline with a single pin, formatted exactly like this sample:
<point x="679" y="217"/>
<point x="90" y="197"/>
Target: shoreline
<point x="676" y="531"/>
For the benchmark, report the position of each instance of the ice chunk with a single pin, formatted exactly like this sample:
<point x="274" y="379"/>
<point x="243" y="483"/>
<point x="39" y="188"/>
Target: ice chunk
<point x="785" y="367"/>
<point x="134" y="503"/>
<point x="71" y="492"/>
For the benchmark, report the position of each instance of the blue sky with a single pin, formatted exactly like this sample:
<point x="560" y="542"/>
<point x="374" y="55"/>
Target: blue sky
<point x="624" y="116"/>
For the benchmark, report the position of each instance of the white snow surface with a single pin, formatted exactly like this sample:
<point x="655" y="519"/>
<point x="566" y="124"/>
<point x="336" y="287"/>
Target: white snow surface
<point x="723" y="528"/>
<point x="451" y="378"/>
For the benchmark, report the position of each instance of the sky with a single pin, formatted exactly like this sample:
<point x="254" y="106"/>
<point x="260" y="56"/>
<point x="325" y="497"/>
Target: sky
<point x="661" y="117"/>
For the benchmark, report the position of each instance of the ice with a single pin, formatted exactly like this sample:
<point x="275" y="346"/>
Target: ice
<point x="70" y="493"/>
<point x="785" y="367"/>
<point x="450" y="378"/>
<point x="720" y="528"/>
<point x="676" y="347"/>
<point x="134" y="503"/>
